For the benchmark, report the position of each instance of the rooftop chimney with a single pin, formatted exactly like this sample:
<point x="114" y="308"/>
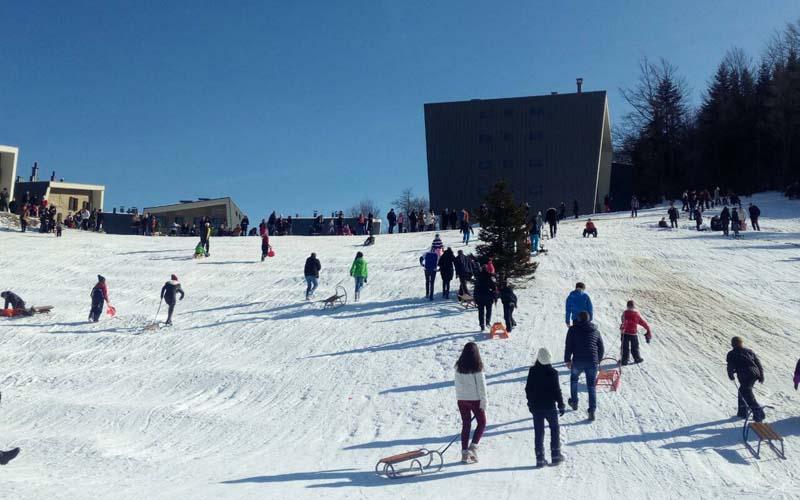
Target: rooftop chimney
<point x="35" y="172"/>
<point x="579" y="81"/>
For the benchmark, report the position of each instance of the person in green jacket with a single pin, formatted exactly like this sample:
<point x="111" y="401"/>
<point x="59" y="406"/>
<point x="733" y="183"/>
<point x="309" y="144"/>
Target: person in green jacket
<point x="359" y="271"/>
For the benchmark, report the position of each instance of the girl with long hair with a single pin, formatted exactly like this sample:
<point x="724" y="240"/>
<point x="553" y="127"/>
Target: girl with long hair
<point x="471" y="396"/>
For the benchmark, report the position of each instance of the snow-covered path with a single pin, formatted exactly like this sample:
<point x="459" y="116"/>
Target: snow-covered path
<point x="257" y="394"/>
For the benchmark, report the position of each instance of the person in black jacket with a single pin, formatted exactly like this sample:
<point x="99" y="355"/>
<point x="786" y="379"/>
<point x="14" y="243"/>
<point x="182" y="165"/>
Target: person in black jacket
<point x="485" y="294"/>
<point x="245" y="224"/>
<point x="509" y="300"/>
<point x="745" y="364"/>
<point x="13" y="300"/>
<point x="311" y="272"/>
<point x="673" y="216"/>
<point x="168" y="294"/>
<point x="446" y="268"/>
<point x="462" y="267"/>
<point x="544" y="393"/>
<point x="551" y="216"/>
<point x="8" y="455"/>
<point x="392" y="218"/>
<point x="725" y="220"/>
<point x="582" y="354"/>
<point x="575" y="208"/>
<point x="755" y="213"/>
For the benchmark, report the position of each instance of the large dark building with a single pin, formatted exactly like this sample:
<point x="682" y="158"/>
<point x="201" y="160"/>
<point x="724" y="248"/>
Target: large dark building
<point x="548" y="149"/>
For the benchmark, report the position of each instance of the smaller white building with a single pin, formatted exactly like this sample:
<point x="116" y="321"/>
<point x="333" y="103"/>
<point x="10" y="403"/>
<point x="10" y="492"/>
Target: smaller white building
<point x="8" y="169"/>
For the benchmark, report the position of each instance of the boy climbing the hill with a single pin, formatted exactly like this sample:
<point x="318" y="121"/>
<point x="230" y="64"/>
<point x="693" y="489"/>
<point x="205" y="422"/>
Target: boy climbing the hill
<point x="629" y="327"/>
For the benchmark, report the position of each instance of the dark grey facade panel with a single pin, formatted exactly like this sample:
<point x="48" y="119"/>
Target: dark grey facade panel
<point x="547" y="148"/>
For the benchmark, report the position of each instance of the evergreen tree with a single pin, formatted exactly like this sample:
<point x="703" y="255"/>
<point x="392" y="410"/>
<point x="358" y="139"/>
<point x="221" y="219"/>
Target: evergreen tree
<point x="504" y="236"/>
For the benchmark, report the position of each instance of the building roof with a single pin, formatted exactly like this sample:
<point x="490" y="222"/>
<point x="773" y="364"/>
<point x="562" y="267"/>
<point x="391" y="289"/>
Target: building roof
<point x="595" y="94"/>
<point x="202" y="203"/>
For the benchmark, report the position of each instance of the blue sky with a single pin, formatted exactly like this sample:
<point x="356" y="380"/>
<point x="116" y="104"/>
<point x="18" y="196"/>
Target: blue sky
<point x="296" y="106"/>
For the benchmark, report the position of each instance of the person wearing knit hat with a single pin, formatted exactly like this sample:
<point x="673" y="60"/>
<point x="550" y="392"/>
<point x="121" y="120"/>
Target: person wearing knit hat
<point x="168" y="294"/>
<point x="99" y="295"/>
<point x="543" y="392"/>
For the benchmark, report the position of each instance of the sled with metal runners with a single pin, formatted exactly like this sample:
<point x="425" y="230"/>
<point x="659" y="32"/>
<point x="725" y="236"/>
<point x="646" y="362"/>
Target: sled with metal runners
<point x="764" y="432"/>
<point x="466" y="300"/>
<point x="610" y="378"/>
<point x="30" y="311"/>
<point x="338" y="299"/>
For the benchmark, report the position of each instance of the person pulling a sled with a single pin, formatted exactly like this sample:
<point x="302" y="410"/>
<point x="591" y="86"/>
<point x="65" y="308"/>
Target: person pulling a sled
<point x="629" y="327"/>
<point x="544" y="394"/>
<point x="168" y="294"/>
<point x="99" y="297"/>
<point x="745" y="365"/>
<point x="470" y="385"/>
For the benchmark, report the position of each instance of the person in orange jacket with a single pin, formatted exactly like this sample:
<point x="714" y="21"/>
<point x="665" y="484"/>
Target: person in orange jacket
<point x="631" y="321"/>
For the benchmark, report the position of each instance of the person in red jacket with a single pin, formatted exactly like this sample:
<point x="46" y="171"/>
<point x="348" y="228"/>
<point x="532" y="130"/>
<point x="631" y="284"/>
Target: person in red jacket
<point x="264" y="245"/>
<point x="99" y="296"/>
<point x="590" y="229"/>
<point x="631" y="321"/>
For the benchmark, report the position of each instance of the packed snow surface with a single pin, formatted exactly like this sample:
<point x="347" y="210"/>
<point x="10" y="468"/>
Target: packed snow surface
<point x="255" y="393"/>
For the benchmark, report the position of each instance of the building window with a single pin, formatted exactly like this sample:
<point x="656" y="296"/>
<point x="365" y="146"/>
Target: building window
<point x="508" y="163"/>
<point x="536" y="136"/>
<point x="508" y="113"/>
<point x="73" y="204"/>
<point x="485" y="139"/>
<point x="508" y="137"/>
<point x="535" y="164"/>
<point x="485" y="164"/>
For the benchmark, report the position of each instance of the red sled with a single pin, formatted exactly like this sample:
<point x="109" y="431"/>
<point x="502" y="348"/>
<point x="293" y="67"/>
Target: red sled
<point x="271" y="253"/>
<point x="111" y="311"/>
<point x="610" y="378"/>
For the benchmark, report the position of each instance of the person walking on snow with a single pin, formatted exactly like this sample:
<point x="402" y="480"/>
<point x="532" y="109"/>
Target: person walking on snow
<point x="725" y="220"/>
<point x="462" y="267"/>
<point x="629" y="327"/>
<point x="466" y="230"/>
<point x="575" y="208"/>
<point x="359" y="272"/>
<point x="437" y="245"/>
<point x="673" y="216"/>
<point x="265" y="245"/>
<point x="392" y="218"/>
<point x="745" y="365"/>
<point x="755" y="213"/>
<point x="536" y="232"/>
<point x="446" y="268"/>
<point x="205" y="237"/>
<point x="578" y="301"/>
<point x="470" y="383"/>
<point x="735" y="222"/>
<point x="99" y="296"/>
<point x="583" y="351"/>
<point x="543" y="392"/>
<point x="311" y="273"/>
<point x="484" y="294"/>
<point x="634" y="206"/>
<point x="429" y="261"/>
<point x="168" y="294"/>
<point x="509" y="301"/>
<point x="552" y="220"/>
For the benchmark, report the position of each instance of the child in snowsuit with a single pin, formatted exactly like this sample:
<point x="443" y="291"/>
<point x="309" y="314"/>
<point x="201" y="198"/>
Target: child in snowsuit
<point x="745" y="364"/>
<point x="629" y="327"/>
<point x="99" y="297"/>
<point x="264" y="246"/>
<point x="168" y="294"/>
<point x="544" y="393"/>
<point x="359" y="272"/>
<point x="509" y="300"/>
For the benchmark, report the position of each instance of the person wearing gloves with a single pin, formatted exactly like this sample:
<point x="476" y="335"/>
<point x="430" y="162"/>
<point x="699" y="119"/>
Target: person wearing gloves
<point x="99" y="296"/>
<point x="359" y="272"/>
<point x="168" y="294"/>
<point x="544" y="394"/>
<point x="746" y="366"/>
<point x="470" y="385"/>
<point x="629" y="327"/>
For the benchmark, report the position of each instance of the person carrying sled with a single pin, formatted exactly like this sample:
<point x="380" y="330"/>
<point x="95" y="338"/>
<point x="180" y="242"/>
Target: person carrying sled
<point x="168" y="294"/>
<point x="99" y="296"/>
<point x="629" y="327"/>
<point x="359" y="272"/>
<point x="583" y="351"/>
<point x="745" y="365"/>
<point x="578" y="301"/>
<point x="543" y="392"/>
<point x="590" y="229"/>
<point x="446" y="269"/>
<point x="264" y="246"/>
<point x="430" y="262"/>
<point x="470" y="383"/>
<point x="509" y="300"/>
<point x="311" y="273"/>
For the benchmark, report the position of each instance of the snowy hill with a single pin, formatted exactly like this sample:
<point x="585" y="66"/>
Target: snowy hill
<point x="257" y="394"/>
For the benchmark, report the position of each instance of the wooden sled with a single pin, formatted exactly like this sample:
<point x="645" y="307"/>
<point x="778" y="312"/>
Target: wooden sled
<point x="499" y="330"/>
<point x="609" y="379"/>
<point x="764" y="432"/>
<point x="467" y="301"/>
<point x="417" y="462"/>
<point x="15" y="313"/>
<point x="338" y="299"/>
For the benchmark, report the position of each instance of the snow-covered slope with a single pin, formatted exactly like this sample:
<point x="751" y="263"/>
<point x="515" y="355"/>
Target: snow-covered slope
<point x="256" y="394"/>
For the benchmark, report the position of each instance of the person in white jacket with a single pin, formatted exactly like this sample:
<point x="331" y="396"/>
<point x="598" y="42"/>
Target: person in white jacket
<point x="471" y="396"/>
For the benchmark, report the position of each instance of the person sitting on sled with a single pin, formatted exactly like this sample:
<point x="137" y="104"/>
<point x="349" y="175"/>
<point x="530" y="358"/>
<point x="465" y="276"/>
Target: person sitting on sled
<point x="629" y="327"/>
<point x="590" y="229"/>
<point x="13" y="300"/>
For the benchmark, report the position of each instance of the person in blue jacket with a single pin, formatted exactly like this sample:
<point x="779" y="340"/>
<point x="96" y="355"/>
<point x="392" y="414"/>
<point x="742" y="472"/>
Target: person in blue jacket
<point x="430" y="261"/>
<point x="578" y="301"/>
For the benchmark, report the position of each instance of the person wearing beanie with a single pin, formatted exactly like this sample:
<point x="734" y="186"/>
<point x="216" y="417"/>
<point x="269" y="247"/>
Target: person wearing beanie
<point x="745" y="365"/>
<point x="629" y="327"/>
<point x="168" y="294"/>
<point x="437" y="246"/>
<point x="544" y="396"/>
<point x="99" y="295"/>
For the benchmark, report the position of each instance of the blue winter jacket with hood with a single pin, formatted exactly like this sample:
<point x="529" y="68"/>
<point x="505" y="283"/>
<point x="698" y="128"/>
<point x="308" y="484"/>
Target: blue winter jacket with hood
<point x="577" y="302"/>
